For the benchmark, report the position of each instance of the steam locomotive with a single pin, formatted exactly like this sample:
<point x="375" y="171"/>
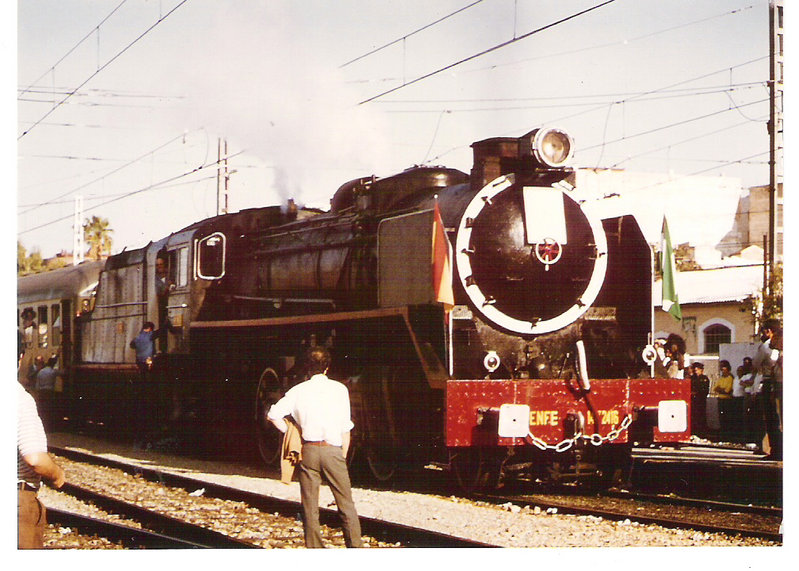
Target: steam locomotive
<point x="496" y="324"/>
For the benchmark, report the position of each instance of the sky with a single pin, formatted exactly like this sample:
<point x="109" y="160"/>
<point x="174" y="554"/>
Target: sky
<point x="124" y="102"/>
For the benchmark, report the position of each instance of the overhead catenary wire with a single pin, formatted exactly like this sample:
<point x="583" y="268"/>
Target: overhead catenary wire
<point x="101" y="68"/>
<point x="122" y="194"/>
<point x="696" y="173"/>
<point x="667" y="94"/>
<point x="613" y="44"/>
<point x="72" y="49"/>
<point x="61" y="90"/>
<point x="127" y="164"/>
<point x="688" y="140"/>
<point x="406" y="36"/>
<point x="634" y="97"/>
<point x="556" y="104"/>
<point x="669" y="126"/>
<point x="135" y="192"/>
<point x="489" y="50"/>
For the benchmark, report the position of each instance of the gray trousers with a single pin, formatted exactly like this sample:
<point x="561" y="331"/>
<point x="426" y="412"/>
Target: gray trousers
<point x="330" y="462"/>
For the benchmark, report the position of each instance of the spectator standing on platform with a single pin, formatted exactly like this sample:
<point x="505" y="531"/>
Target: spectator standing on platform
<point x="738" y="403"/>
<point x="768" y="385"/>
<point x="321" y="408"/>
<point x="33" y="464"/>
<point x="700" y="387"/>
<point x="722" y="389"/>
<point x="676" y="364"/>
<point x="723" y="386"/>
<point x="746" y="378"/>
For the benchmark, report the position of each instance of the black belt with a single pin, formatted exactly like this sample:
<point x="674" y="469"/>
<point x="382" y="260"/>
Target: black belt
<point x="26" y="487"/>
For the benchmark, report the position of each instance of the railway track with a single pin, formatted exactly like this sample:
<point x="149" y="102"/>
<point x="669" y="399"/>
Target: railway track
<point x="127" y="536"/>
<point x="700" y="515"/>
<point x="159" y="530"/>
<point x="389" y="532"/>
<point x="733" y="507"/>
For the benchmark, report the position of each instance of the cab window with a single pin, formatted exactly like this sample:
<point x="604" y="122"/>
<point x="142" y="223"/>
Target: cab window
<point x="211" y="256"/>
<point x="182" y="269"/>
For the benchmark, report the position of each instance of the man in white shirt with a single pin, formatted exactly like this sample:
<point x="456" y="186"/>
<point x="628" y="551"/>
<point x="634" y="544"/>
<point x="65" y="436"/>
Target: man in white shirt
<point x="33" y="464"/>
<point x="768" y="385"/>
<point x="321" y="408"/>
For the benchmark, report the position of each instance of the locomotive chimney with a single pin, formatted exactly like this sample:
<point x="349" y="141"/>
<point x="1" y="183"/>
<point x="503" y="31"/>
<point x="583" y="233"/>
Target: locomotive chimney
<point x="493" y="158"/>
<point x="291" y="210"/>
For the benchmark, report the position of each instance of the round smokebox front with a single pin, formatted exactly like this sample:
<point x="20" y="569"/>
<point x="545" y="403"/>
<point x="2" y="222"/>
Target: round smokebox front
<point x="530" y="258"/>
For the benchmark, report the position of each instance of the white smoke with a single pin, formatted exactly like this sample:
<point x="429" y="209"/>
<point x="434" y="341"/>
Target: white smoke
<point x="282" y="99"/>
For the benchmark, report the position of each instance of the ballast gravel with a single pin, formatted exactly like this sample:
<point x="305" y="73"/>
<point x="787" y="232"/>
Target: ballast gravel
<point x="507" y="525"/>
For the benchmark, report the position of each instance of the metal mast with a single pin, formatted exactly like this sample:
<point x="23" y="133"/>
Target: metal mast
<point x="776" y="228"/>
<point x="78" y="247"/>
<point x="222" y="178"/>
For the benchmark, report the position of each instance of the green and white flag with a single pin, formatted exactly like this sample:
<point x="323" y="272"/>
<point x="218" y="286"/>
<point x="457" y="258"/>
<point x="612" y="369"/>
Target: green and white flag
<point x="671" y="302"/>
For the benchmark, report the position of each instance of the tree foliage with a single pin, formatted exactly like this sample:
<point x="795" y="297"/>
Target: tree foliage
<point x="97" y="234"/>
<point x="34" y="263"/>
<point x="768" y="303"/>
<point x="28" y="264"/>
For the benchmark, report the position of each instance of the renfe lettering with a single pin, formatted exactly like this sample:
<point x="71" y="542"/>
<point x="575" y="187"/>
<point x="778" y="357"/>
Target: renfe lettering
<point x="543" y="417"/>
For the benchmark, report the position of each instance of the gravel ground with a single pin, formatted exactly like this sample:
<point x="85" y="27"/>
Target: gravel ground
<point x="505" y="526"/>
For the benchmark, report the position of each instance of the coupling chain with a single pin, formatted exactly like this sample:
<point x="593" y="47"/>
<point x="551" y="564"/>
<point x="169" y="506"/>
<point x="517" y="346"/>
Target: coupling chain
<point x="595" y="439"/>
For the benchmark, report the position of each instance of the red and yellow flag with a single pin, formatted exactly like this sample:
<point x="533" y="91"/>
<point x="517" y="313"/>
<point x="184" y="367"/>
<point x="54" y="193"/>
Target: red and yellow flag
<point x="442" y="262"/>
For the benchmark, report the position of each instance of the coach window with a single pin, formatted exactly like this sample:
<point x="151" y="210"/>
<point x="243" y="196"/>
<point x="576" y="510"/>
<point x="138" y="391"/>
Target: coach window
<point x="42" y="316"/>
<point x="28" y="317"/>
<point x="211" y="256"/>
<point x="713" y="335"/>
<point x="55" y="315"/>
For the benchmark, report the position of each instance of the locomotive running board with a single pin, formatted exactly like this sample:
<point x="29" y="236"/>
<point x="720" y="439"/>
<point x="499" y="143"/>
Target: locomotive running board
<point x="302" y="319"/>
<point x="434" y="370"/>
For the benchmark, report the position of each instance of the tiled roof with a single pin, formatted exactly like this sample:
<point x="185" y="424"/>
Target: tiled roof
<point x="713" y="286"/>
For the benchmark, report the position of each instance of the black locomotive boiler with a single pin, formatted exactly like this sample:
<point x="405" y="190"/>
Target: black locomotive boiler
<point x="523" y="360"/>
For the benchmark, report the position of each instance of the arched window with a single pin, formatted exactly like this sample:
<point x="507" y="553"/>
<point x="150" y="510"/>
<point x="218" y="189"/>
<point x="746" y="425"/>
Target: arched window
<point x="714" y="335"/>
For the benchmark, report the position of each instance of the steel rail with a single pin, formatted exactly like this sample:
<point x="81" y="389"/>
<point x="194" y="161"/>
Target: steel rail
<point x="623" y="515"/>
<point x="385" y="531"/>
<point x="162" y="525"/>
<point x="130" y="537"/>
<point x="697" y="502"/>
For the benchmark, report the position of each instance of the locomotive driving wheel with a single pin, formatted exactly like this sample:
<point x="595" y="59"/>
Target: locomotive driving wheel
<point x="382" y="462"/>
<point x="375" y="443"/>
<point x="472" y="468"/>
<point x="268" y="437"/>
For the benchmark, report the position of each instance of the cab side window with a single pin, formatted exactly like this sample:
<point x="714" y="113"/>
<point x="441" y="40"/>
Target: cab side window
<point x="211" y="256"/>
<point x="181" y="266"/>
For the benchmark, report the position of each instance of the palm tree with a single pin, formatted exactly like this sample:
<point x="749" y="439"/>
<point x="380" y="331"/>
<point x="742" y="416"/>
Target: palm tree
<point x="98" y="235"/>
